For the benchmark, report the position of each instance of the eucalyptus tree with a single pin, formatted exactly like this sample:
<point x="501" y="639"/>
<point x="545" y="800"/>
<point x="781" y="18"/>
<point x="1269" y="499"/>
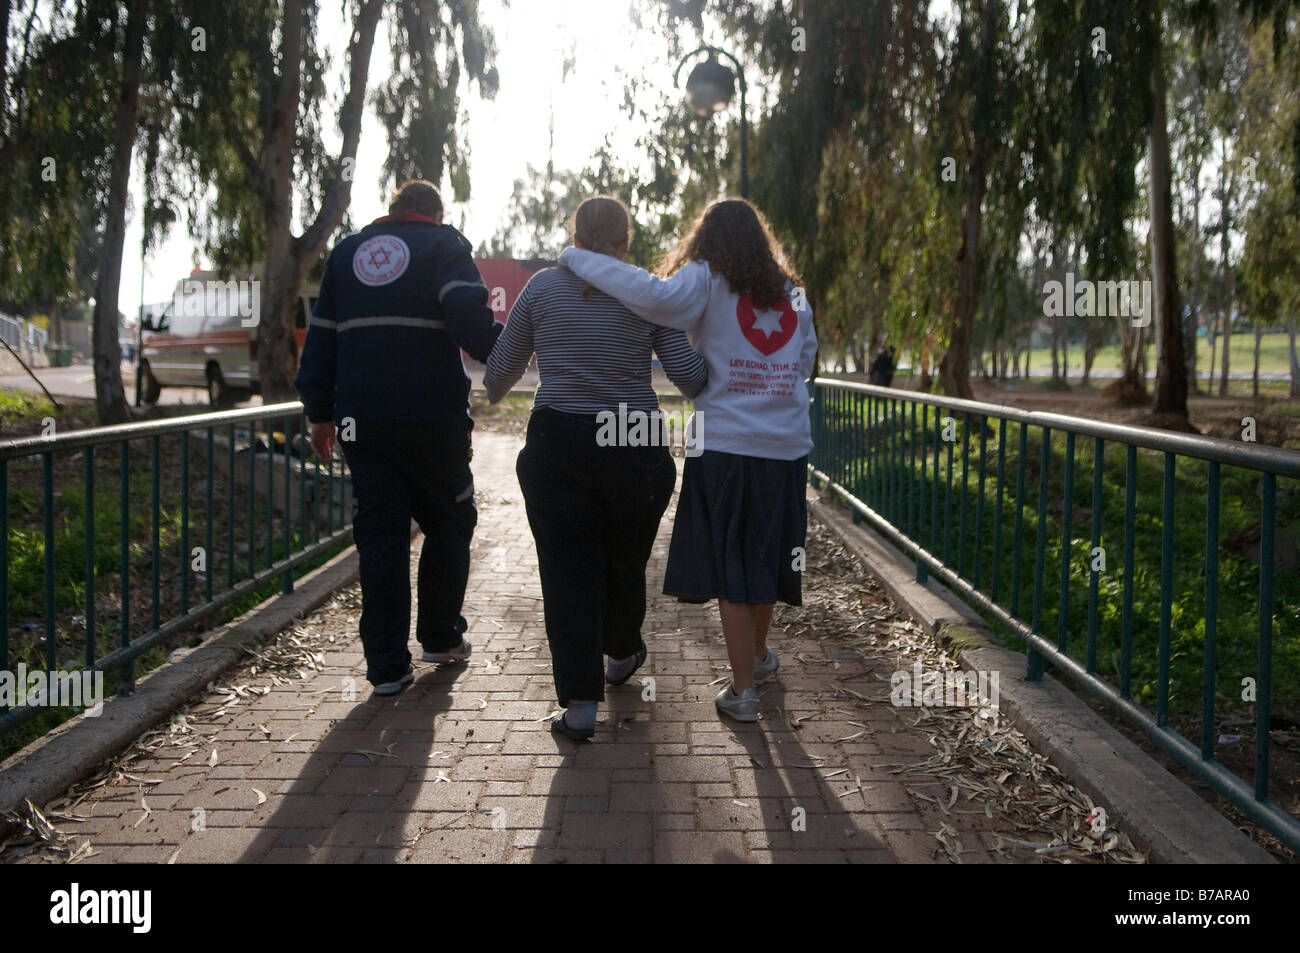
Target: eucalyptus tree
<point x="54" y="135"/>
<point x="1270" y="112"/>
<point x="1191" y="138"/>
<point x="251" y="142"/>
<point x="84" y="75"/>
<point x="110" y="397"/>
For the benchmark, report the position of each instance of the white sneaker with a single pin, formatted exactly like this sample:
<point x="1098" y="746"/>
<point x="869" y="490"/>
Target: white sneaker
<point x="765" y="668"/>
<point x="459" y="654"/>
<point x="742" y="707"/>
<point x="392" y="688"/>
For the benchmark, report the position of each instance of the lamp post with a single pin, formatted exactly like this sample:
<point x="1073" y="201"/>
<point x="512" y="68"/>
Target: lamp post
<point x="709" y="88"/>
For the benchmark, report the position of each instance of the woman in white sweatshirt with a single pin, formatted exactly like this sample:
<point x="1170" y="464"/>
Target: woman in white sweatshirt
<point x="742" y="515"/>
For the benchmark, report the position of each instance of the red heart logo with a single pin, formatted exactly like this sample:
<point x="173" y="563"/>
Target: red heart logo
<point x="768" y="330"/>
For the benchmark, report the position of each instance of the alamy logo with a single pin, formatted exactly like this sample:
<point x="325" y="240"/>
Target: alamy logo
<point x="74" y="906"/>
<point x="42" y="689"/>
<point x="1102" y="299"/>
<point x="636" y="428"/>
<point x="200" y="299"/>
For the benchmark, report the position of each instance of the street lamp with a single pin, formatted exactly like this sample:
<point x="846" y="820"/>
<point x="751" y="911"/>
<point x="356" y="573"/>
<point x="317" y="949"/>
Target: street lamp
<point x="709" y="88"/>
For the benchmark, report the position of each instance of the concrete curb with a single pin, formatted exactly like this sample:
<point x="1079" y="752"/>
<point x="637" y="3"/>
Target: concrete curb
<point x="50" y="765"/>
<point x="1160" y="814"/>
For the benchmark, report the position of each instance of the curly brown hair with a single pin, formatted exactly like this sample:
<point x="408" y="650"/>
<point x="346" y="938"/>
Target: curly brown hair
<point x="737" y="242"/>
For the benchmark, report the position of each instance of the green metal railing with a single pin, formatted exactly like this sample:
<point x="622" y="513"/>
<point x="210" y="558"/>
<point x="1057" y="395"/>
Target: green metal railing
<point x="247" y="466"/>
<point x="1159" y="641"/>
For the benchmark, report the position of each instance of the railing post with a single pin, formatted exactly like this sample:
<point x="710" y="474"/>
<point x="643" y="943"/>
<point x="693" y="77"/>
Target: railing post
<point x="185" y="564"/>
<point x="1098" y="466"/>
<point x="1166" y="594"/>
<point x="1210" y="662"/>
<point x="922" y="570"/>
<point x="125" y="676"/>
<point x="287" y="578"/>
<point x="1130" y="532"/>
<point x="1034" y="661"/>
<point x="997" y="512"/>
<point x="89" y="520"/>
<point x="1063" y="597"/>
<point x="1264" y="682"/>
<point x="209" y="557"/>
<point x="157" y="545"/>
<point x="47" y="470"/>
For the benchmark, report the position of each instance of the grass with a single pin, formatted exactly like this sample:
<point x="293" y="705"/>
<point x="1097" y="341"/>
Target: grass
<point x="21" y="405"/>
<point x="1274" y="356"/>
<point x="512" y="405"/>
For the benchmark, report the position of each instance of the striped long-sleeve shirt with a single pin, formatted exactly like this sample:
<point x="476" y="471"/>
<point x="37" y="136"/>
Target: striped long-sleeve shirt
<point x="592" y="353"/>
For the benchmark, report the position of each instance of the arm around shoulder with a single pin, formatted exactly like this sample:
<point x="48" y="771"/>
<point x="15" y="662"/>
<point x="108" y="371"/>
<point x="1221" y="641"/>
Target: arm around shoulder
<point x="677" y="302"/>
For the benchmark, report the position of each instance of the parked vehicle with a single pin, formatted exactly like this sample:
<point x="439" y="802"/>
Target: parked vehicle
<point x="207" y="337"/>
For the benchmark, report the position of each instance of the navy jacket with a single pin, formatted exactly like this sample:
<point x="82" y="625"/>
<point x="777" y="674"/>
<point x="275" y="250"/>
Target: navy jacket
<point x="398" y="302"/>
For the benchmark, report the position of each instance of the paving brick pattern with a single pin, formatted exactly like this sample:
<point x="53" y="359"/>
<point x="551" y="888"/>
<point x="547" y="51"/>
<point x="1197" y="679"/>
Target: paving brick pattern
<point x="461" y="767"/>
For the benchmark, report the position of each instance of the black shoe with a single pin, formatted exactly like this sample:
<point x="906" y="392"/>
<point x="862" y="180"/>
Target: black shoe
<point x="561" y="727"/>
<point x="393" y="687"/>
<point x="640" y="660"/>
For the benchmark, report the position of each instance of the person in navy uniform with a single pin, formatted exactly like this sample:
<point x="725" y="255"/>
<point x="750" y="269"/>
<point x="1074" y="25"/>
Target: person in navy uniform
<point x="382" y="373"/>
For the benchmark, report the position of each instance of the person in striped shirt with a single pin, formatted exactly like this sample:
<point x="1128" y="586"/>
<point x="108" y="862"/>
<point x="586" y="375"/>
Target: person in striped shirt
<point x="594" y="493"/>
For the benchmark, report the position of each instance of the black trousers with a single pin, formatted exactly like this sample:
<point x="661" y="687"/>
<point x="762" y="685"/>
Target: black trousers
<point x="594" y="512"/>
<point x="402" y="472"/>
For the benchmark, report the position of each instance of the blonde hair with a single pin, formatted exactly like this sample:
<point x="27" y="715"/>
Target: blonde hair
<point x="602" y="223"/>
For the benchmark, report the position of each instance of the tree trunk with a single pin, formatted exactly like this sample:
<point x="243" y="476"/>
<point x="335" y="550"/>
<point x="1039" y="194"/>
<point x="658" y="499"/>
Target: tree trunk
<point x="1295" y="358"/>
<point x="1171" y="361"/>
<point x="1213" y="331"/>
<point x="1194" y="281"/>
<point x="954" y="369"/>
<point x="1259" y="333"/>
<point x="289" y="258"/>
<point x="110" y="396"/>
<point x="1129" y="389"/>
<point x="4" y="74"/>
<point x="1225" y="217"/>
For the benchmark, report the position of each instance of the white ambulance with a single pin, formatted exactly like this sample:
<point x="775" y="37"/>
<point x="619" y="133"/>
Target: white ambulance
<point x="207" y="337"/>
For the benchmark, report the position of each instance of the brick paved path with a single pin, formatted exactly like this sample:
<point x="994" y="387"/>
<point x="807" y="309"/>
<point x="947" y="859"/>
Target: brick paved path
<point x="461" y="766"/>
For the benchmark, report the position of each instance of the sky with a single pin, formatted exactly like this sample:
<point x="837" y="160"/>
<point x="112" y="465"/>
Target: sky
<point x="533" y="38"/>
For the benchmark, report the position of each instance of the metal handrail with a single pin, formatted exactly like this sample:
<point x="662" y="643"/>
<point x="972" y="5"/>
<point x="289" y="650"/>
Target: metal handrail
<point x="1235" y="453"/>
<point x="113" y="433"/>
<point x="306" y="532"/>
<point x="912" y="477"/>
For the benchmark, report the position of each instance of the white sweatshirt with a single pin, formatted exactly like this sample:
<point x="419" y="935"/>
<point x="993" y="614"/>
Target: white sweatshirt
<point x="756" y="401"/>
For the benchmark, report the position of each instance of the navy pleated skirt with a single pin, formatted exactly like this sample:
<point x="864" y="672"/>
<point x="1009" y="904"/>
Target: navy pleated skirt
<point x="740" y="530"/>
